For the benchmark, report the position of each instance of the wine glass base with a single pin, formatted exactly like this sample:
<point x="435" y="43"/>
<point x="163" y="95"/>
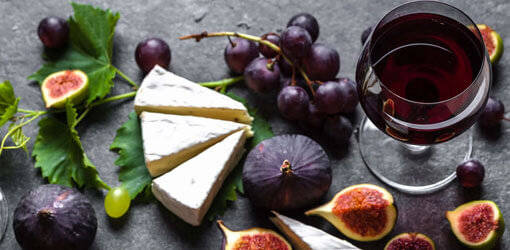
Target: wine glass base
<point x="4" y="216"/>
<point x="408" y="168"/>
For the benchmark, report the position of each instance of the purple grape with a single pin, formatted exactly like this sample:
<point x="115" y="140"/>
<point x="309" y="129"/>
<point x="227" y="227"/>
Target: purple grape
<point x="53" y="31"/>
<point x="493" y="113"/>
<point x="295" y="42"/>
<point x="293" y="103"/>
<point x="285" y="67"/>
<point x="307" y="22"/>
<point x="322" y="62"/>
<point x="349" y="94"/>
<point x="365" y="34"/>
<point x="260" y="77"/>
<point x="315" y="119"/>
<point x="152" y="51"/>
<point x="338" y="129"/>
<point x="265" y="50"/>
<point x="239" y="56"/>
<point x="470" y="173"/>
<point x="329" y="97"/>
<point x="284" y="82"/>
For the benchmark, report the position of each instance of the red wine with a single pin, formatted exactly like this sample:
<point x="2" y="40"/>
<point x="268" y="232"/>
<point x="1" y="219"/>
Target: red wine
<point x="426" y="58"/>
<point x="426" y="66"/>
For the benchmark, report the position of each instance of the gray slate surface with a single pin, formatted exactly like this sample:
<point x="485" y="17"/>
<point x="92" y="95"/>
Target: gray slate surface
<point x="151" y="226"/>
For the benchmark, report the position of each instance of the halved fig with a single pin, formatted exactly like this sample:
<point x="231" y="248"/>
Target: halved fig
<point x="363" y="212"/>
<point x="63" y="85"/>
<point x="410" y="241"/>
<point x="492" y="41"/>
<point x="304" y="236"/>
<point x="253" y="238"/>
<point x="477" y="224"/>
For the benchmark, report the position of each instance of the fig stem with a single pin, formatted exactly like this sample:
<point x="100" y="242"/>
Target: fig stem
<point x="205" y="34"/>
<point x="45" y="214"/>
<point x="125" y="77"/>
<point x="286" y="167"/>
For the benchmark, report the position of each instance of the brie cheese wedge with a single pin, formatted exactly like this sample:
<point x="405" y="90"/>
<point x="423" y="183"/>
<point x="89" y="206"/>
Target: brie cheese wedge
<point x="169" y="140"/>
<point x="188" y="190"/>
<point x="164" y="92"/>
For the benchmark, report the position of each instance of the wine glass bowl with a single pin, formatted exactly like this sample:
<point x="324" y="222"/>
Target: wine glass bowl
<point x="423" y="79"/>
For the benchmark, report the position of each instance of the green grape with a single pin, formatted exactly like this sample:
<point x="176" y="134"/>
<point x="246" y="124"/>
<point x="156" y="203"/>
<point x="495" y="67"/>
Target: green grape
<point x="116" y="202"/>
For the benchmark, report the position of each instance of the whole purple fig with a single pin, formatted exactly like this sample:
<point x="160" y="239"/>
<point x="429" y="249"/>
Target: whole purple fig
<point x="286" y="172"/>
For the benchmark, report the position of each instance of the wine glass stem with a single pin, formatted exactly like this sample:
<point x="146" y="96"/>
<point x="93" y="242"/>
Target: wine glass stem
<point x="4" y="215"/>
<point x="415" y="149"/>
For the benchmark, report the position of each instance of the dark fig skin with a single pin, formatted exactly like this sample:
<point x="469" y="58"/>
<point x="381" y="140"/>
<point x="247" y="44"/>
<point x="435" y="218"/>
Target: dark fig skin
<point x="286" y="172"/>
<point x="54" y="217"/>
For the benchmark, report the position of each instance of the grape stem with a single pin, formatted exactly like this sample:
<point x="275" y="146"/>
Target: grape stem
<point x="34" y="116"/>
<point x="222" y="83"/>
<point x="125" y="77"/>
<point x="205" y="34"/>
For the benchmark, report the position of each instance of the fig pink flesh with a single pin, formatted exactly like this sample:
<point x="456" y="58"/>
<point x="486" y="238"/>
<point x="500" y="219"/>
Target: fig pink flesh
<point x="477" y="222"/>
<point x="260" y="241"/>
<point x="410" y="243"/>
<point x="362" y="210"/>
<point x="62" y="84"/>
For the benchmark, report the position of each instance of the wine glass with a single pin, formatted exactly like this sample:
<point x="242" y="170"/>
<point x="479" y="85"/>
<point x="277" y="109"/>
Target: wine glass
<point x="423" y="79"/>
<point x="4" y="216"/>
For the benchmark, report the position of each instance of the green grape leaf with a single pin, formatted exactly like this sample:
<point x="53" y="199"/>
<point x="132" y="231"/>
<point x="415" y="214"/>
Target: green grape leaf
<point x="18" y="137"/>
<point x="8" y="102"/>
<point x="234" y="181"/>
<point x="133" y="174"/>
<point x="59" y="154"/>
<point x="90" y="50"/>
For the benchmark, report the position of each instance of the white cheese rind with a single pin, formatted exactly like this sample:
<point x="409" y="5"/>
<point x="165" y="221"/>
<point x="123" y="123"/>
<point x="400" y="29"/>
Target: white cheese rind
<point x="304" y="236"/>
<point x="188" y="190"/>
<point x="169" y="140"/>
<point x="164" y="92"/>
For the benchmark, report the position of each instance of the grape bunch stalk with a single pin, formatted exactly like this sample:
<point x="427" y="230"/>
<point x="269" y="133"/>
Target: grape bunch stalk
<point x="302" y="70"/>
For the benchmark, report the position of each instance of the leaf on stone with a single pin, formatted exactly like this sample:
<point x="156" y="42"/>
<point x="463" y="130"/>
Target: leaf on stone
<point x="90" y="50"/>
<point x="59" y="154"/>
<point x="133" y="174"/>
<point x="8" y="102"/>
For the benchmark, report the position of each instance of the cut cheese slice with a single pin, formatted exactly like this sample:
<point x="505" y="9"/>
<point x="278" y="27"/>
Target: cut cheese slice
<point x="169" y="140"/>
<point x="164" y="92"/>
<point x="189" y="189"/>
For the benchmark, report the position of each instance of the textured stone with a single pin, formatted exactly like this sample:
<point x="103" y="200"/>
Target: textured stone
<point x="151" y="226"/>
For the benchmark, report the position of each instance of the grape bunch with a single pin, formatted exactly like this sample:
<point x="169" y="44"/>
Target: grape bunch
<point x="303" y="71"/>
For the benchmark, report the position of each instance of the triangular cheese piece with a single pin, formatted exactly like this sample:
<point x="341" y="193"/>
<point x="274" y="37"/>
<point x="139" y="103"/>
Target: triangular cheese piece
<point x="164" y="92"/>
<point x="169" y="140"/>
<point x="303" y="236"/>
<point x="189" y="189"/>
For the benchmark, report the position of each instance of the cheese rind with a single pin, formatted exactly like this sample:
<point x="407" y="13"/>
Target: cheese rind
<point x="169" y="140"/>
<point x="188" y="190"/>
<point x="164" y="92"/>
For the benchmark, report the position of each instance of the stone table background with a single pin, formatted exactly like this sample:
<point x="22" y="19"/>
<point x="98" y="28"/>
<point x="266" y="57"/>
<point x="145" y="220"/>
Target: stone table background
<point x="151" y="226"/>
